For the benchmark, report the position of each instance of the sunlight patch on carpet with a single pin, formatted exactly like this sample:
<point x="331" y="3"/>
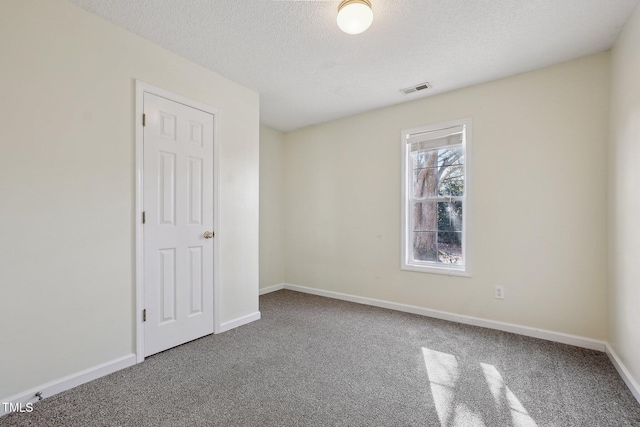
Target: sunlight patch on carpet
<point x="503" y="396"/>
<point x="453" y="409"/>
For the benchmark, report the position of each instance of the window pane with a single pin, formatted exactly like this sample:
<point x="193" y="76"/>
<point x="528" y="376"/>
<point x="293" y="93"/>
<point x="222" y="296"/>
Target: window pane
<point x="425" y="216"/>
<point x="425" y="246"/>
<point x="451" y="156"/>
<point x="418" y="159"/>
<point x="450" y="216"/>
<point x="450" y="247"/>
<point x="451" y="181"/>
<point x="425" y="173"/>
<point x="425" y="182"/>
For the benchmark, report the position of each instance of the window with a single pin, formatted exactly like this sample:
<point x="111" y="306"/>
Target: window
<point x="435" y="193"/>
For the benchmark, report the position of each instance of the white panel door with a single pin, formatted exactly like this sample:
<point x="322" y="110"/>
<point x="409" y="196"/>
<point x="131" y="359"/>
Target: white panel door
<point x="178" y="206"/>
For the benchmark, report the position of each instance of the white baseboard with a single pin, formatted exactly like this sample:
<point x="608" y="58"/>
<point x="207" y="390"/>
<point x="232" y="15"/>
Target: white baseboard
<point x="231" y="324"/>
<point x="270" y="289"/>
<point x="624" y="373"/>
<point x="467" y="320"/>
<point x="70" y="381"/>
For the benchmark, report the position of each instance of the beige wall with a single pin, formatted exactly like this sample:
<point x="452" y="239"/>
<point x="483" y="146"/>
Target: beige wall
<point x="624" y="200"/>
<point x="271" y="207"/>
<point x="539" y="202"/>
<point x="67" y="187"/>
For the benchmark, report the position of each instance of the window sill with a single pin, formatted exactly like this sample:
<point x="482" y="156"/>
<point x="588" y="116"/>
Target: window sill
<point x="436" y="270"/>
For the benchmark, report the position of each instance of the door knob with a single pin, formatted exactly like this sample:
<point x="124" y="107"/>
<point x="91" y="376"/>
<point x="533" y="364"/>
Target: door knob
<point x="208" y="234"/>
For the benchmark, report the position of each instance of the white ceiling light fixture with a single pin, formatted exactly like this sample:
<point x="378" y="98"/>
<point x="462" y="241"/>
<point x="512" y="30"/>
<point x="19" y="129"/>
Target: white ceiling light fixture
<point x="354" y="16"/>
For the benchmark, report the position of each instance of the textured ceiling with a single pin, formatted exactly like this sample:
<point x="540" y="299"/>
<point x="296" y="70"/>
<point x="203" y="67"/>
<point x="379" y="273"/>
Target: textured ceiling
<point x="307" y="71"/>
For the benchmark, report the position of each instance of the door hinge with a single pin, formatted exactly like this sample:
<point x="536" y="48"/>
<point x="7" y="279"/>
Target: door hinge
<point x="144" y="119"/>
<point x="144" y="315"/>
<point x="144" y="217"/>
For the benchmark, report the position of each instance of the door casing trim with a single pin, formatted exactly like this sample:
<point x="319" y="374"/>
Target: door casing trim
<point x="141" y="88"/>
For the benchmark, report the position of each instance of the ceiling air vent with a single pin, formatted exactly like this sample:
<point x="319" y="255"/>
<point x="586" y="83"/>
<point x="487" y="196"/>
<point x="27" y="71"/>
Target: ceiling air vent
<point x="416" y="88"/>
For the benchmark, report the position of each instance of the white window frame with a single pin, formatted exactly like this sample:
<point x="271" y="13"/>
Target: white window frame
<point x="407" y="261"/>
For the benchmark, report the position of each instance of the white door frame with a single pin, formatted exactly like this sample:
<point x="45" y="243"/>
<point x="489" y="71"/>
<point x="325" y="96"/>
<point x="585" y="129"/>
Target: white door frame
<point x="141" y="88"/>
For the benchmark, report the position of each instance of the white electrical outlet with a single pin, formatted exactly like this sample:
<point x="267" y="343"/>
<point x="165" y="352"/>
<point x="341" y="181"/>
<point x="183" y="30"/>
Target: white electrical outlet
<point x="499" y="292"/>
